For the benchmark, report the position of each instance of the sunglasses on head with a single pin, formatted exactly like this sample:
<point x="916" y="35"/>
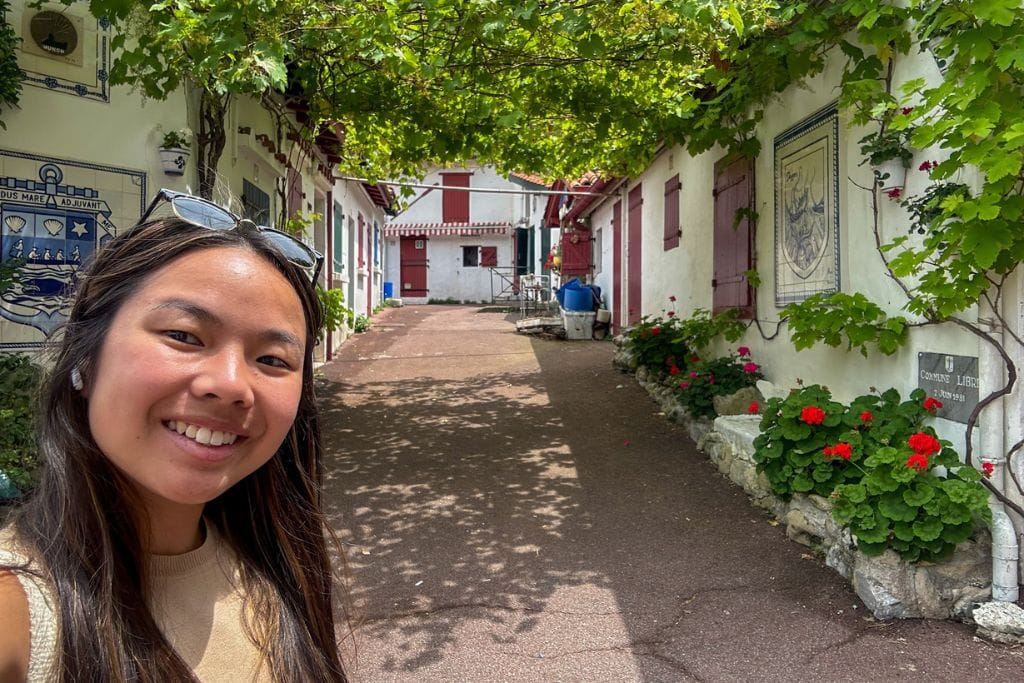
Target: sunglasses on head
<point x="205" y="214"/>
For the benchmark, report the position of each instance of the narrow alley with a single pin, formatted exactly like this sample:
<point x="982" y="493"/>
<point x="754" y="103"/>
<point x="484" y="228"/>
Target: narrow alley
<point x="514" y="508"/>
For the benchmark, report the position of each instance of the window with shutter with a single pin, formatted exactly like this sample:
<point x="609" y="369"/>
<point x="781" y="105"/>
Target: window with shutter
<point x="255" y="203"/>
<point x="455" y="203"/>
<point x="733" y="239"/>
<point x="672" y="227"/>
<point x="488" y="257"/>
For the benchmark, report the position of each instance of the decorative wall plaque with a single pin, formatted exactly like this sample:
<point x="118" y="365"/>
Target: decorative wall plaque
<point x="951" y="379"/>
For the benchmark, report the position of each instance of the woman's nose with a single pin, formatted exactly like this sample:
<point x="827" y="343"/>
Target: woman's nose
<point x="226" y="376"/>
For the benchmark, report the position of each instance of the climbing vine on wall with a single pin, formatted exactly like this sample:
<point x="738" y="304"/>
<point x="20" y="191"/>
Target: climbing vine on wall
<point x="10" y="73"/>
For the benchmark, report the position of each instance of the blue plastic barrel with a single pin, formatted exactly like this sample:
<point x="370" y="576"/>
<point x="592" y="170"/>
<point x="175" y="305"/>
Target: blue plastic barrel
<point x="579" y="300"/>
<point x="389" y="290"/>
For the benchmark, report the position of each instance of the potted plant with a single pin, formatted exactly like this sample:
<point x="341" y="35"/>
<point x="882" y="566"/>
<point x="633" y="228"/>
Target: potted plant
<point x="888" y="151"/>
<point x="174" y="151"/>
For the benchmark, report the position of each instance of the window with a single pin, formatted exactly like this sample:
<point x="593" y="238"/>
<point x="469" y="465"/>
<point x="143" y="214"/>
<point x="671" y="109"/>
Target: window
<point x="595" y="256"/>
<point x="455" y="203"/>
<point x="672" y="228"/>
<point x="255" y="204"/>
<point x="488" y="257"/>
<point x="470" y="257"/>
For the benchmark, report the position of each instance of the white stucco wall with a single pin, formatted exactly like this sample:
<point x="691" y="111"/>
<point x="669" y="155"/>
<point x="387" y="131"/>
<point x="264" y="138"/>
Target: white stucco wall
<point x="425" y="207"/>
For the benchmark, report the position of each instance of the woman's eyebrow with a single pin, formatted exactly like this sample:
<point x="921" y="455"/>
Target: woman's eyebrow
<point x="207" y="316"/>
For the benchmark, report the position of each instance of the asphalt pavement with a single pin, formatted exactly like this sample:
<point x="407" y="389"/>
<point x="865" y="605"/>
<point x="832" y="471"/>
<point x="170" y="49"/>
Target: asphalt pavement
<point x="515" y="509"/>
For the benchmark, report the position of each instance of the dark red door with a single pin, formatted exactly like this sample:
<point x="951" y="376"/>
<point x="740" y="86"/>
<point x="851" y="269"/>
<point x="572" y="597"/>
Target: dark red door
<point x="634" y="271"/>
<point x="616" y="267"/>
<point x="414" y="266"/>
<point x="734" y="195"/>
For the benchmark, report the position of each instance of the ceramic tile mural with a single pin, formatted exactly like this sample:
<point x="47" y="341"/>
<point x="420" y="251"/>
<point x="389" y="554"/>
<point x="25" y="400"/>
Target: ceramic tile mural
<point x="54" y="213"/>
<point x="66" y="51"/>
<point x="807" y="208"/>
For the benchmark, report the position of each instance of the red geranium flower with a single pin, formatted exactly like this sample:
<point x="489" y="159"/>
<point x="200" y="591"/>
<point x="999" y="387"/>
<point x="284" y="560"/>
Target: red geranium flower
<point x="812" y="415"/>
<point x="751" y="368"/>
<point x="655" y="331"/>
<point x="753" y="408"/>
<point x="693" y="375"/>
<point x="694" y="358"/>
<point x="840" y="450"/>
<point x="743" y="351"/>
<point x="894" y="193"/>
<point x="906" y="110"/>
<point x="670" y="313"/>
<point x="918" y="461"/>
<point x="674" y="370"/>
<point x="924" y="444"/>
<point x="987" y="469"/>
<point x="684" y="385"/>
<point x="672" y="298"/>
<point x="927" y="166"/>
<point x="932" y="404"/>
<point x="866" y="416"/>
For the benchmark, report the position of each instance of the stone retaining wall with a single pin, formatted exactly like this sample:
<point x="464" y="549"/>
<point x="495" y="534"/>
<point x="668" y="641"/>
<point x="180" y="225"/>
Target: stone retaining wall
<point x="889" y="586"/>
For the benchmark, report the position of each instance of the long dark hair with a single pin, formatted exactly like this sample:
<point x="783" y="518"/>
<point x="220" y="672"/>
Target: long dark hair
<point x="84" y="522"/>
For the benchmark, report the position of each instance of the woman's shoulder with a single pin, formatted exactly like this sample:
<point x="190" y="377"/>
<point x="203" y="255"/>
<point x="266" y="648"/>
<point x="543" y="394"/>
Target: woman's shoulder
<point x="15" y="646"/>
<point x="26" y="602"/>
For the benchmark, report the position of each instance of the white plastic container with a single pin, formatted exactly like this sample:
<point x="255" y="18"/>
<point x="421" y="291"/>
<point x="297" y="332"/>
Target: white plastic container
<point x="578" y="324"/>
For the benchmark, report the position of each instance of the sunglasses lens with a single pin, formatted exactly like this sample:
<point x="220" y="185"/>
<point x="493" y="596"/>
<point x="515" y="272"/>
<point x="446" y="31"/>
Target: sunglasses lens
<point x="203" y="213"/>
<point x="293" y="250"/>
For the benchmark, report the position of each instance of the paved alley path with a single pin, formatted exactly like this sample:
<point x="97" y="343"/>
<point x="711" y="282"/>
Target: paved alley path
<point x="515" y="509"/>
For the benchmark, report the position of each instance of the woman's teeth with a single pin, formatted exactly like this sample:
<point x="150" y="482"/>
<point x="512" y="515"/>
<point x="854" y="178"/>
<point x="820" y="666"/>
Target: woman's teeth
<point x="203" y="435"/>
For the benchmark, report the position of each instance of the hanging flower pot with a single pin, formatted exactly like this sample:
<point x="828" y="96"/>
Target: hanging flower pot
<point x="890" y="174"/>
<point x="174" y="151"/>
<point x="174" y="159"/>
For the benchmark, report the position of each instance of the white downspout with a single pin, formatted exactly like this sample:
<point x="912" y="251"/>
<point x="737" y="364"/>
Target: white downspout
<point x="993" y="450"/>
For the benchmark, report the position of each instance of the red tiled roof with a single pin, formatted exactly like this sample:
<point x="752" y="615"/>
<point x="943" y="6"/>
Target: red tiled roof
<point x="530" y="178"/>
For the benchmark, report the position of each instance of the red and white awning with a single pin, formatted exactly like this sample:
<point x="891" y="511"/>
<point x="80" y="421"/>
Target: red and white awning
<point x="445" y="229"/>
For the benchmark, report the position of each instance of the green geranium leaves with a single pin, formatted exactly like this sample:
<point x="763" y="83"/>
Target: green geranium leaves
<point x="881" y="492"/>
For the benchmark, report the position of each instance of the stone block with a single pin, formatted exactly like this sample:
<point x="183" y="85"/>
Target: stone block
<point x="1002" y="622"/>
<point x="737" y="403"/>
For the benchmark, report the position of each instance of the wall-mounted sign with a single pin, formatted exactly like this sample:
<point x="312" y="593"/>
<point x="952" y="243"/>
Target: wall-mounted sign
<point x="57" y="35"/>
<point x="951" y="379"/>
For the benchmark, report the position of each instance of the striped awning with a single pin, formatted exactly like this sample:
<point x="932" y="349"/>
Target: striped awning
<point x="445" y="229"/>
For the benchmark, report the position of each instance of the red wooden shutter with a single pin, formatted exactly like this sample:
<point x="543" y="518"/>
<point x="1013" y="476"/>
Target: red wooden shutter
<point x="455" y="203"/>
<point x="672" y="228"/>
<point x="575" y="253"/>
<point x="734" y="200"/>
<point x="360" y="231"/>
<point x="488" y="257"/>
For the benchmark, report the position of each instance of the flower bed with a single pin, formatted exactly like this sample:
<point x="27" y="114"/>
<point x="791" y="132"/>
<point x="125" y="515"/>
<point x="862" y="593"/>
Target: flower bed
<point x="832" y="441"/>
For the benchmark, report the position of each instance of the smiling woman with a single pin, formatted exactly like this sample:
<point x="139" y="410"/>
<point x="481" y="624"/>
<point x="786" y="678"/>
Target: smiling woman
<point x="176" y="533"/>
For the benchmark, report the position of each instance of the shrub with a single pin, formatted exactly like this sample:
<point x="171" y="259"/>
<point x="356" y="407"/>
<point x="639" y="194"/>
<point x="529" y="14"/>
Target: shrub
<point x="794" y="433"/>
<point x="361" y="324"/>
<point x="876" y="458"/>
<point x="721" y="376"/>
<point x="19" y="384"/>
<point x="901" y="503"/>
<point x="657" y="344"/>
<point x="332" y="301"/>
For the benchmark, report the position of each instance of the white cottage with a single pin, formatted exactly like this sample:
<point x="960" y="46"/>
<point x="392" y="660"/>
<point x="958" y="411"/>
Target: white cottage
<point x="689" y="231"/>
<point x="464" y="245"/>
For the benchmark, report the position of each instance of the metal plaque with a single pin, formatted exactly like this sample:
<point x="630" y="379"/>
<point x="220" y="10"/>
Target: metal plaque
<point x="951" y="379"/>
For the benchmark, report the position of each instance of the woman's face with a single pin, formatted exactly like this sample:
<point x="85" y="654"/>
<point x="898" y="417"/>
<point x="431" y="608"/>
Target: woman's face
<point x="199" y="377"/>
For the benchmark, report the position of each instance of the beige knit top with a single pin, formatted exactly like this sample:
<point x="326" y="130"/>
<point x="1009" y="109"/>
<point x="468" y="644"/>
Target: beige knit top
<point x="197" y="602"/>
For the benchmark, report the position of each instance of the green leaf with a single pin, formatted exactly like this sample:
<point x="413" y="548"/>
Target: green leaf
<point x="928" y="529"/>
<point x="918" y="495"/>
<point x="893" y="507"/>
